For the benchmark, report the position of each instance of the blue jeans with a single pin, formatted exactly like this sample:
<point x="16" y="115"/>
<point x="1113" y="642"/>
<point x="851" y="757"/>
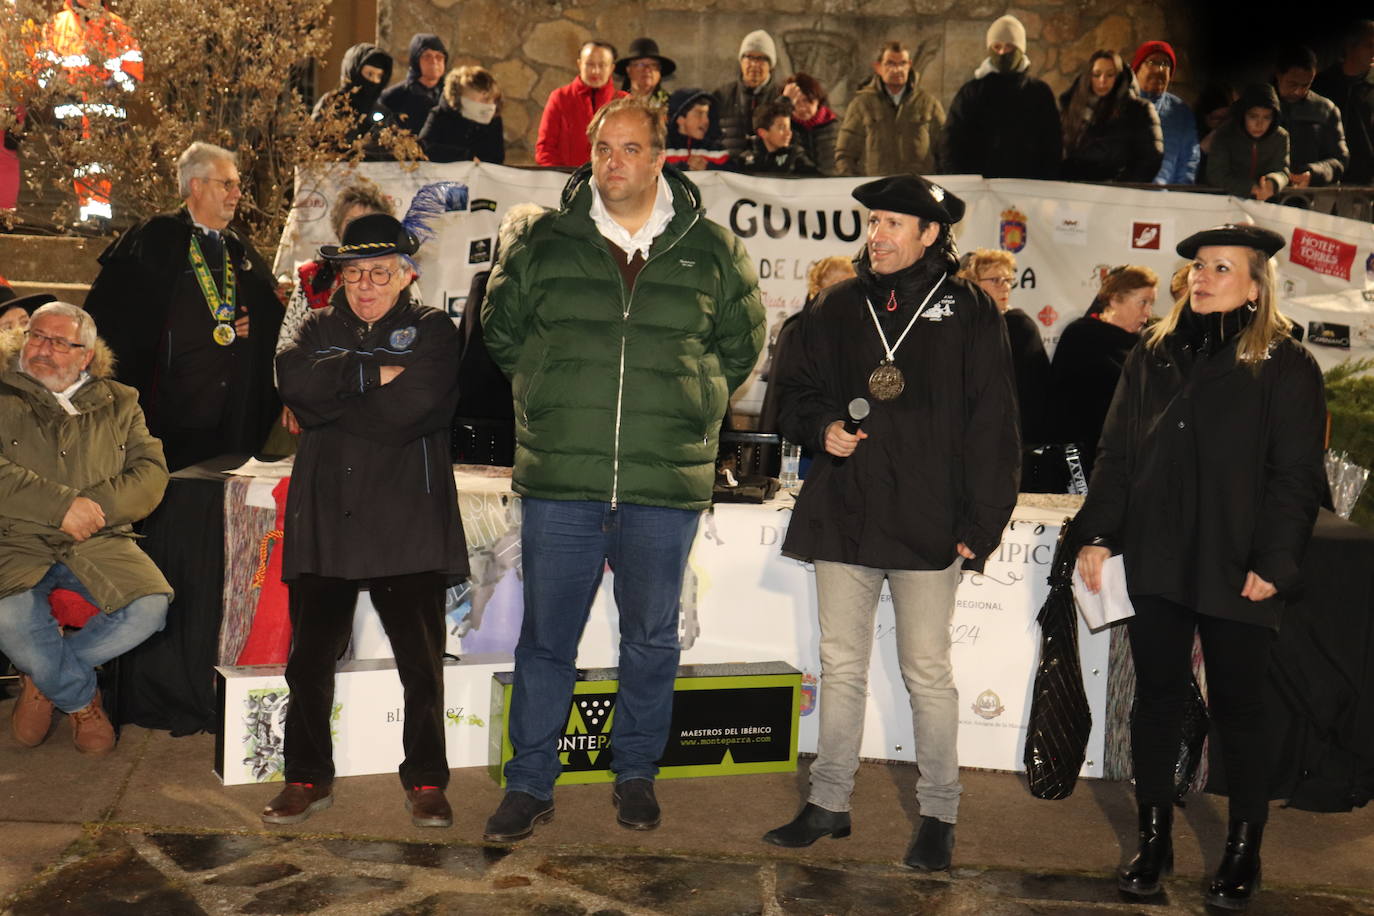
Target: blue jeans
<point x="566" y="546"/>
<point x="63" y="667"/>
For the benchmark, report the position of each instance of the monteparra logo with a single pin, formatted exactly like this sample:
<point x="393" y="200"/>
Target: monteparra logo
<point x="988" y="705"/>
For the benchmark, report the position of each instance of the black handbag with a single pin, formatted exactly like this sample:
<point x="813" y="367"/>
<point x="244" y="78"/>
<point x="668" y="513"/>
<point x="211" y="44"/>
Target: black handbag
<point x="1195" y="725"/>
<point x="1060" y="720"/>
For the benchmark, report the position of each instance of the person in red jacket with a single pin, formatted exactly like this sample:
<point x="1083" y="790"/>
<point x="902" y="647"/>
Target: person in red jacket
<point x="563" y="129"/>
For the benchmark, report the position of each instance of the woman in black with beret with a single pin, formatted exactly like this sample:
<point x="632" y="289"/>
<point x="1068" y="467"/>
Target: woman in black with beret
<point x="1208" y="479"/>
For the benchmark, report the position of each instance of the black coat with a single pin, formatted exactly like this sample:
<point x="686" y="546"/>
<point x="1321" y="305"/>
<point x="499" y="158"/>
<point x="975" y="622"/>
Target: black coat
<point x="1002" y="125"/>
<point x="1032" y="367"/>
<point x="1087" y="364"/>
<point x="756" y="160"/>
<point x="372" y="493"/>
<point x="1126" y="144"/>
<point x="141" y="274"/>
<point x="734" y="112"/>
<point x="1208" y="470"/>
<point x="941" y="462"/>
<point x="449" y="137"/>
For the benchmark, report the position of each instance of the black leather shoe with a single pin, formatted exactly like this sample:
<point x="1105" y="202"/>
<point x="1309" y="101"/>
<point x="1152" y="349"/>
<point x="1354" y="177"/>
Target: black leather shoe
<point x="933" y="846"/>
<point x="516" y="817"/>
<point x="635" y="804"/>
<point x="1154" y="857"/>
<point x="810" y="824"/>
<point x="1238" y="876"/>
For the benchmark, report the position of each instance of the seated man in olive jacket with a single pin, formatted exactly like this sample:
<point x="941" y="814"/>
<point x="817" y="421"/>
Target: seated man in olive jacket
<point x="77" y="470"/>
<point x="624" y="320"/>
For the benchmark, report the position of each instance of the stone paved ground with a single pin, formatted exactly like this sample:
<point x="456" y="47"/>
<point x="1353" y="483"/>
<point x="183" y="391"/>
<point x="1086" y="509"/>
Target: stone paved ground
<point x="112" y="872"/>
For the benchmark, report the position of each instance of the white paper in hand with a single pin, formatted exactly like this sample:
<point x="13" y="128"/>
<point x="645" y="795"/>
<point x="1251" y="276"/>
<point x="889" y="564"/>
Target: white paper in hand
<point x="1111" y="603"/>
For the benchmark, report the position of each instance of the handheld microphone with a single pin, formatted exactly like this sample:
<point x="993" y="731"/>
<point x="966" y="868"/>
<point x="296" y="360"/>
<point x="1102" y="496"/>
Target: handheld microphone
<point x="858" y="412"/>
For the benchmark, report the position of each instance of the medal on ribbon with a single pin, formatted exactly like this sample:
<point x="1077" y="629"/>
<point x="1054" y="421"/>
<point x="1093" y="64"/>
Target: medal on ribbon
<point x="886" y="382"/>
<point x="221" y="305"/>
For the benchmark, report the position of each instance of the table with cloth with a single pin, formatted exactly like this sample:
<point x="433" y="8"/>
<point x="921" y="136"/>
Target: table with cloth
<point x="215" y="537"/>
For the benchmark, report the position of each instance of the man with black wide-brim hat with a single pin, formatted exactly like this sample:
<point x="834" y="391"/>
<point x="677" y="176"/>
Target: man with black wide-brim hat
<point x="643" y="71"/>
<point x="927" y="496"/>
<point x="373" y="380"/>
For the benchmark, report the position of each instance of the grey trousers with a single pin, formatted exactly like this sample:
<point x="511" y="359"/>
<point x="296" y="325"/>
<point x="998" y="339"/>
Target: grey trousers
<point x="924" y="604"/>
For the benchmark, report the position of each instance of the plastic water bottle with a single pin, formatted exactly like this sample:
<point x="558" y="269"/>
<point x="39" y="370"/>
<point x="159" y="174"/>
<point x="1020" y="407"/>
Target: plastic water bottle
<point x="791" y="462"/>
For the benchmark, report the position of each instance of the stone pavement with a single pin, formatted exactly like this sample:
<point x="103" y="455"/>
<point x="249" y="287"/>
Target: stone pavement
<point x="149" y="831"/>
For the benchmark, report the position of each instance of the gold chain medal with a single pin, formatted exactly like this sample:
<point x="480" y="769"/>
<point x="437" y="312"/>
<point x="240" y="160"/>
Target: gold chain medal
<point x="221" y="307"/>
<point x="887" y="382"/>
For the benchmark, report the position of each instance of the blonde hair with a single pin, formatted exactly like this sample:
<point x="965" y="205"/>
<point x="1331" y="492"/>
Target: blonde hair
<point x="823" y="267"/>
<point x="1269" y="326"/>
<point x="478" y="79"/>
<point x="979" y="259"/>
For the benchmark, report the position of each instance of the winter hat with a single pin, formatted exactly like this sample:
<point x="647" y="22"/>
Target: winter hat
<point x="1008" y="29"/>
<point x="1154" y="47"/>
<point x="759" y="42"/>
<point x="1247" y="235"/>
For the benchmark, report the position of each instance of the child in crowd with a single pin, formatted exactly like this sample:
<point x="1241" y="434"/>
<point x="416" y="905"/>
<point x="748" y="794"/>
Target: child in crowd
<point x="466" y="124"/>
<point x="771" y="150"/>
<point x="694" y="142"/>
<point x="1249" y="155"/>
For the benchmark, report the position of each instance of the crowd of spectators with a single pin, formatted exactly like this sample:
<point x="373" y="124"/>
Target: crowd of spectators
<point x="1115" y="122"/>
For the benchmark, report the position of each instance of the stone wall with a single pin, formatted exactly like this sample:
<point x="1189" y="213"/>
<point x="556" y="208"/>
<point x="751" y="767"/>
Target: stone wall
<point x="531" y="45"/>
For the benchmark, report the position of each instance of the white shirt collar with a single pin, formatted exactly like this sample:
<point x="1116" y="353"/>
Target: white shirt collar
<point x="64" y="398"/>
<point x="642" y="240"/>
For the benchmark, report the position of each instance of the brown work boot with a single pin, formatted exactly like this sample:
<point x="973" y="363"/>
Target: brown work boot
<point x="31" y="718"/>
<point x="92" y="733"/>
<point x="428" y="807"/>
<point x="296" y="802"/>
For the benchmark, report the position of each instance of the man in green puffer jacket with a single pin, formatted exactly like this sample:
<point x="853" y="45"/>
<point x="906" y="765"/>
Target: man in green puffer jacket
<point x="624" y="320"/>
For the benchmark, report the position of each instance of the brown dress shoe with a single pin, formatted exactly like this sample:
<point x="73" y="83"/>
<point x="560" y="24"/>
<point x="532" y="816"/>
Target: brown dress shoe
<point x="31" y="718"/>
<point x="296" y="802"/>
<point x="92" y="733"/>
<point x="428" y="807"/>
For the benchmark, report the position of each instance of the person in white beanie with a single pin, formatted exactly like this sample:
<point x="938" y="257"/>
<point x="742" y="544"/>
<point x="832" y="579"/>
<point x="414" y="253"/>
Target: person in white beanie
<point x="736" y="100"/>
<point x="1003" y="123"/>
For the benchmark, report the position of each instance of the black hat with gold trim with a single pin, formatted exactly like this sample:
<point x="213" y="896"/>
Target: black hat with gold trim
<point x="373" y="236"/>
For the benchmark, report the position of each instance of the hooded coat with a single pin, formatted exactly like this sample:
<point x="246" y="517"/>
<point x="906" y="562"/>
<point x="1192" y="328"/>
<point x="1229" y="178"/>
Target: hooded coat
<point x="359" y="99"/>
<point x="49" y="457"/>
<point x="1002" y="125"/>
<point x="880" y="138"/>
<point x="373" y="459"/>
<point x="619" y="393"/>
<point x="1122" y="140"/>
<point x="1209" y="468"/>
<point x="411" y="100"/>
<point x="942" y="460"/>
<point x="1238" y="161"/>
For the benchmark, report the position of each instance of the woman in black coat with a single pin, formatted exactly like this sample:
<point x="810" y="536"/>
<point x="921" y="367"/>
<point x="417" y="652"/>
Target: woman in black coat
<point x="1208" y="481"/>
<point x="1110" y="132"/>
<point x="1090" y="354"/>
<point x="465" y="124"/>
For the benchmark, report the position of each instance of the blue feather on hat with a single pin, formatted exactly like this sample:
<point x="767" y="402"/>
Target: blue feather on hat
<point x="431" y="201"/>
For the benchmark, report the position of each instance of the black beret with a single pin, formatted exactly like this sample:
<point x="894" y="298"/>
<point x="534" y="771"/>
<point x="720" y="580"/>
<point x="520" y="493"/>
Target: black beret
<point x="1243" y="234"/>
<point x="911" y="194"/>
<point x="29" y="304"/>
<point x="372" y="236"/>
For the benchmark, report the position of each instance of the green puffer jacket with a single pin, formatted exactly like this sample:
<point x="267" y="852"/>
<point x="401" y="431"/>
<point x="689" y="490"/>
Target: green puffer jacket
<point x="619" y="395"/>
<point x="48" y="458"/>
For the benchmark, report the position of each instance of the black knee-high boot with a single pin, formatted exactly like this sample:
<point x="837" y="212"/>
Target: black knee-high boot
<point x="1155" y="856"/>
<point x="1238" y="876"/>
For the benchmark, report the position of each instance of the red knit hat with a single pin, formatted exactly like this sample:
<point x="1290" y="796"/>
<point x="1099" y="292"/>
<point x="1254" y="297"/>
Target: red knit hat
<point x="1154" y="47"/>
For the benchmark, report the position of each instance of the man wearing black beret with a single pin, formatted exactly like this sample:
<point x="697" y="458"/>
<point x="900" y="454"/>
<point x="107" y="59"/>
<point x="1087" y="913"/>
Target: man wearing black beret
<point x="922" y="490"/>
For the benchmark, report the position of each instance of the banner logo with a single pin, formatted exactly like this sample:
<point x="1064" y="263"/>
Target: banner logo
<point x="1369" y="268"/>
<point x="808" y="694"/>
<point x="1326" y="334"/>
<point x="1013" y="233"/>
<point x="1322" y="254"/>
<point x="1145" y="235"/>
<point x="479" y="251"/>
<point x="988" y="705"/>
<point x="1070" y="226"/>
<point x="310" y="205"/>
<point x="1048" y="316"/>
